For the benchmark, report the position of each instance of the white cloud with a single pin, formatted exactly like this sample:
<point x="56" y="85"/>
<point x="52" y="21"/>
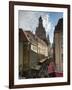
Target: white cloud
<point x="46" y="23"/>
<point x="28" y="20"/>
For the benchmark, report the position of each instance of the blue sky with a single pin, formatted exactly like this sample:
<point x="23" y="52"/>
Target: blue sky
<point x="54" y="17"/>
<point x="28" y="20"/>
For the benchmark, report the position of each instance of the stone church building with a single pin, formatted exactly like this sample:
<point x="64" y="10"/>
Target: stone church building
<point x="40" y="30"/>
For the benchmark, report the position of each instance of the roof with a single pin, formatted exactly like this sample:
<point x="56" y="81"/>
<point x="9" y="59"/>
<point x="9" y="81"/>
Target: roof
<point x="59" y="26"/>
<point x="29" y="36"/>
<point x="43" y="60"/>
<point x="22" y="36"/>
<point x="35" y="67"/>
<point x="26" y="36"/>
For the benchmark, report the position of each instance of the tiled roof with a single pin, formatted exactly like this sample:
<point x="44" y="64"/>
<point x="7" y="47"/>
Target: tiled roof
<point x="29" y="36"/>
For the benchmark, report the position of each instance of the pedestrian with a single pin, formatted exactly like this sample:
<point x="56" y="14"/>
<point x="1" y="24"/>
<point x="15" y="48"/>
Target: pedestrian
<point x="51" y="69"/>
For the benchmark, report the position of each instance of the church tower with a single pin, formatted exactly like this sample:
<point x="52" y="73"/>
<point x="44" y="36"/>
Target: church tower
<point x="40" y="30"/>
